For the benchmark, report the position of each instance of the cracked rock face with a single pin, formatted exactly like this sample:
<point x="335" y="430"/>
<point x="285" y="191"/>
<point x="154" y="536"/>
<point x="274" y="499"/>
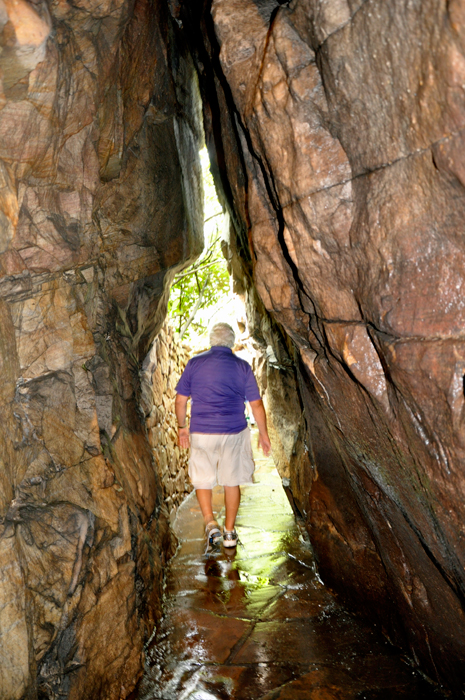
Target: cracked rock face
<point x="336" y="132"/>
<point x="337" y="129"/>
<point x="99" y="202"/>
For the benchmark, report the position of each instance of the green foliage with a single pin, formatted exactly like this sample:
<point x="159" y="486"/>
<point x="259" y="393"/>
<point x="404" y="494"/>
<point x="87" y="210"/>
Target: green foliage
<point x="198" y="292"/>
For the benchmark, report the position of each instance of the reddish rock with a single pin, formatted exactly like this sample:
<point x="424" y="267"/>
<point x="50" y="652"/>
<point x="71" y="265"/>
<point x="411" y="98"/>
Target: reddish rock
<point x="336" y="133"/>
<point x="335" y="130"/>
<point x="98" y="128"/>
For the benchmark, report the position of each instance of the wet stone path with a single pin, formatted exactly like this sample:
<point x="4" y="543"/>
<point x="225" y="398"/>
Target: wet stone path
<point x="257" y="624"/>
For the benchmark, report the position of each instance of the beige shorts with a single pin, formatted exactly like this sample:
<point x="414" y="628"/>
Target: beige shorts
<point x="220" y="459"/>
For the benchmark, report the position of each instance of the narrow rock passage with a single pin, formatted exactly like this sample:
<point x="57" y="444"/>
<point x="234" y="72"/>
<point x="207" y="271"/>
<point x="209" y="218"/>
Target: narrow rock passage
<point x="258" y="624"/>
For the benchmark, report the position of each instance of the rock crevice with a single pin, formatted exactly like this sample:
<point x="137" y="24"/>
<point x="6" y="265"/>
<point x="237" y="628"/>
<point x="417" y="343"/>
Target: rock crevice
<point x="341" y="150"/>
<point x="335" y="131"/>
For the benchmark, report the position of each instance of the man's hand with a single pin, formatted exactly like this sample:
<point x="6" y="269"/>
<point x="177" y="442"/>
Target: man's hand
<point x="259" y="414"/>
<point x="183" y="437"/>
<point x="264" y="443"/>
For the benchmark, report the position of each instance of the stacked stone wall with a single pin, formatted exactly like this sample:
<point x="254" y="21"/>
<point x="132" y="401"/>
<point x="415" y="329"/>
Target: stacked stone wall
<point x="162" y="370"/>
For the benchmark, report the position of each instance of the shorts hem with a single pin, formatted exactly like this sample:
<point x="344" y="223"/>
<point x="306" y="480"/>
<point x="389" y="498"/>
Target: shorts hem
<point x="242" y="482"/>
<point x="203" y="486"/>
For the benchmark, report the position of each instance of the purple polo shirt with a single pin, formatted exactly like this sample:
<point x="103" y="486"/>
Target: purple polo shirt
<point x="218" y="383"/>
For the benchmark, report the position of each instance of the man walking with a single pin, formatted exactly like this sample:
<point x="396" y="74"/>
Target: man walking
<point x="218" y="384"/>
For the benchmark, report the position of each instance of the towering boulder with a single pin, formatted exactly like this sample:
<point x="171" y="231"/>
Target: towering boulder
<point x="337" y="132"/>
<point x="100" y="200"/>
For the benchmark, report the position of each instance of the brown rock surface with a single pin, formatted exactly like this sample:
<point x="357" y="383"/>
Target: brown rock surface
<point x="99" y="202"/>
<point x="336" y="130"/>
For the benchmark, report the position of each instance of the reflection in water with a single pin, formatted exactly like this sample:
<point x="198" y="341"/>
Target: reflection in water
<point x="223" y="577"/>
<point x="256" y="623"/>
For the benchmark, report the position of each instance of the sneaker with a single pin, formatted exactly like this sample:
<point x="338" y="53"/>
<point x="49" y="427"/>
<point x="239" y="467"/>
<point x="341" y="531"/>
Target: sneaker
<point x="212" y="533"/>
<point x="230" y="539"/>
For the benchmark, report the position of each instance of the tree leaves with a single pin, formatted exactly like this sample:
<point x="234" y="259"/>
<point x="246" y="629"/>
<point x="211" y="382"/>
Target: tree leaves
<point x="198" y="291"/>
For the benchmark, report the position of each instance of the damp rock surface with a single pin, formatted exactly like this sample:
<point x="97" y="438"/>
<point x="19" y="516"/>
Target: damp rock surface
<point x="336" y="129"/>
<point x="98" y="124"/>
<point x="257" y="623"/>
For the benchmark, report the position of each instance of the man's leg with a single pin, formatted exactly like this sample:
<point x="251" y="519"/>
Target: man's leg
<point x="232" y="499"/>
<point x="204" y="497"/>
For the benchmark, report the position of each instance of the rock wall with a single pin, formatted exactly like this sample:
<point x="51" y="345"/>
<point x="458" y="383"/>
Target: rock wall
<point x="274" y="368"/>
<point x="336" y="130"/>
<point x="100" y="202"/>
<point x="163" y="367"/>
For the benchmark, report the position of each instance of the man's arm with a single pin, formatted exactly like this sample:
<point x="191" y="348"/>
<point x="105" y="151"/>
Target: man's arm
<point x="258" y="410"/>
<point x="180" y="407"/>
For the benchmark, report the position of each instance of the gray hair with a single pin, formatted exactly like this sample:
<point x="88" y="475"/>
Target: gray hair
<point x="222" y="334"/>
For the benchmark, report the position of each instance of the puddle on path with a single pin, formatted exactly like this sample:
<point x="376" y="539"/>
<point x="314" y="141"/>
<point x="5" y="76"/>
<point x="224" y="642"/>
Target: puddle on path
<point x="256" y="623"/>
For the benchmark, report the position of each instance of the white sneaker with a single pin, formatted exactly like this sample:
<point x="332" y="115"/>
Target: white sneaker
<point x="230" y="539"/>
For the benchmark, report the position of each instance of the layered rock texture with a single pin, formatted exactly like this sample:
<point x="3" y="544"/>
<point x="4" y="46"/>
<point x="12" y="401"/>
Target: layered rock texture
<point x="337" y="132"/>
<point x="100" y="200"/>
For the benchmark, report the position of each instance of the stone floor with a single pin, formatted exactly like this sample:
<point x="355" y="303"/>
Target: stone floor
<point x="258" y="624"/>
